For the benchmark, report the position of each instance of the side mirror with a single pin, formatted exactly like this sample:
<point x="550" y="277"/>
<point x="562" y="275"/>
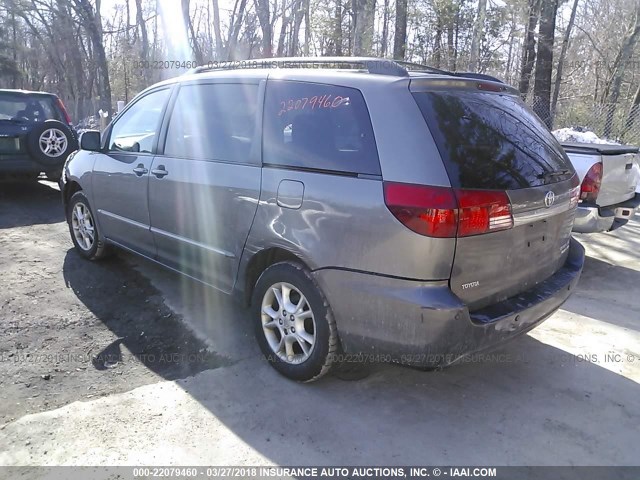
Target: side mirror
<point x="90" y="140"/>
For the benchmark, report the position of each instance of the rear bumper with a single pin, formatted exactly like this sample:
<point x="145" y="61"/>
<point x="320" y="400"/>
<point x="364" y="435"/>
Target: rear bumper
<point x="23" y="164"/>
<point x="425" y="324"/>
<point x="603" y="219"/>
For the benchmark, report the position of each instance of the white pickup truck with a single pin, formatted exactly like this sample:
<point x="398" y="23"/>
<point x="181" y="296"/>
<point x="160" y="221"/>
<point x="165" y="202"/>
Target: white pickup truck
<point x="609" y="175"/>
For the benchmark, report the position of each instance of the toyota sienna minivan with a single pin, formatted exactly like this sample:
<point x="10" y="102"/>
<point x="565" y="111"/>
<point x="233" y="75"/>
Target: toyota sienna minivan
<point x="362" y="207"/>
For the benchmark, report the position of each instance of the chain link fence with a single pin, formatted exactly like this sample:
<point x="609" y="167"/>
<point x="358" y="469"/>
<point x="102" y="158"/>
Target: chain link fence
<point x="615" y="122"/>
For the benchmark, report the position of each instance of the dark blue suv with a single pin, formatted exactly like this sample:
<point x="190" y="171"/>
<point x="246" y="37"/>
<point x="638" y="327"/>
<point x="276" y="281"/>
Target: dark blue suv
<point x="35" y="135"/>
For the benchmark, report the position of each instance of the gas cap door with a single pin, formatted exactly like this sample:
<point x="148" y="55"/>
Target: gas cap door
<point x="290" y="194"/>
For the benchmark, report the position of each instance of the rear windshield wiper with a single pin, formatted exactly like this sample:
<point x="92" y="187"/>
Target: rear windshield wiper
<point x="557" y="173"/>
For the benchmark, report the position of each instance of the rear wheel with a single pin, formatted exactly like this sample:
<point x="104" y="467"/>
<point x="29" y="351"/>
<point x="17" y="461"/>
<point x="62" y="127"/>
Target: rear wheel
<point x="294" y="324"/>
<point x="83" y="228"/>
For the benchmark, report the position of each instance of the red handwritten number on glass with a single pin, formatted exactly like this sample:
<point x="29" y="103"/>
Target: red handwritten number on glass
<point x="323" y="101"/>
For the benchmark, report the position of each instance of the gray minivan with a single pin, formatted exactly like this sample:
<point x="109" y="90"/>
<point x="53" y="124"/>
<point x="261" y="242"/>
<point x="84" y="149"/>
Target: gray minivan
<point x="367" y="210"/>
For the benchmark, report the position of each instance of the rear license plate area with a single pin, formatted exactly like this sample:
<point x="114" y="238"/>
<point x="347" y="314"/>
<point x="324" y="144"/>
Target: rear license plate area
<point x="9" y="144"/>
<point x="536" y="234"/>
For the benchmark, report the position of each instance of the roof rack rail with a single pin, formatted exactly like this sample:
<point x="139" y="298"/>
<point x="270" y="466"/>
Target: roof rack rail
<point x="417" y="67"/>
<point x="381" y="66"/>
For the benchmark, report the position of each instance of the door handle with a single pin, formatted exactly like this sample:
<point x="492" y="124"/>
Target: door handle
<point x="140" y="170"/>
<point x="160" y="171"/>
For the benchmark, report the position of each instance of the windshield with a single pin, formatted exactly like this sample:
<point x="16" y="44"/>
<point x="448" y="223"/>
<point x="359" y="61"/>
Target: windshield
<point x="490" y="141"/>
<point x="30" y="108"/>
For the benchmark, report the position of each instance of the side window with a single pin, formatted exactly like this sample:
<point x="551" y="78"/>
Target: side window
<point x="213" y="122"/>
<point x="136" y="129"/>
<point x="318" y="126"/>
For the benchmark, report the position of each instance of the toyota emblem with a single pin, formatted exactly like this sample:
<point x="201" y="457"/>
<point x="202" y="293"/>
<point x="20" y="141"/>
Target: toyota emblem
<point x="549" y="198"/>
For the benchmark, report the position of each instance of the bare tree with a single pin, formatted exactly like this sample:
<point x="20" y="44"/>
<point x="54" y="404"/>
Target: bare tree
<point x="478" y="33"/>
<point x="188" y="26"/>
<point x="529" y="47"/>
<point x="544" y="60"/>
<point x="363" y="14"/>
<point x="337" y="27"/>
<point x="237" y="17"/>
<point x="217" y="30"/>
<point x="563" y="56"/>
<point x="620" y="64"/>
<point x="400" y="37"/>
<point x="264" y="18"/>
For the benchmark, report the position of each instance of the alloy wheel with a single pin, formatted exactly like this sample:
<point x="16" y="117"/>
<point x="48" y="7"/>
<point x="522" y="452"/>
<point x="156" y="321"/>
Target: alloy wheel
<point x="288" y="323"/>
<point x="83" y="226"/>
<point x="53" y="142"/>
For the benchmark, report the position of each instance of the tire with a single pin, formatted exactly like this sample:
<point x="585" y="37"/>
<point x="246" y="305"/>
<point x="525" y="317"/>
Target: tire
<point x="271" y="329"/>
<point x="94" y="250"/>
<point x="50" y="143"/>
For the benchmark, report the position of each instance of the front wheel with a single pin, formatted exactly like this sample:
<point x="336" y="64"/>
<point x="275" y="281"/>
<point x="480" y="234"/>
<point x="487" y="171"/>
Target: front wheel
<point x="294" y="324"/>
<point x="83" y="228"/>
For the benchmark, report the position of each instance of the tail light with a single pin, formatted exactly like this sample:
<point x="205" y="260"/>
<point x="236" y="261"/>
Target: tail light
<point x="430" y="211"/>
<point x="591" y="184"/>
<point x="65" y="114"/>
<point x="482" y="211"/>
<point x="446" y="212"/>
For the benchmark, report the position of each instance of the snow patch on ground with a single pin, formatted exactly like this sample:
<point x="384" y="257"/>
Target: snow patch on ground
<point x="580" y="136"/>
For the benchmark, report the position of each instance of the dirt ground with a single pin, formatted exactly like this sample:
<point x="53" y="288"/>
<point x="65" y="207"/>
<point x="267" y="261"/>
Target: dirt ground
<point x="72" y="329"/>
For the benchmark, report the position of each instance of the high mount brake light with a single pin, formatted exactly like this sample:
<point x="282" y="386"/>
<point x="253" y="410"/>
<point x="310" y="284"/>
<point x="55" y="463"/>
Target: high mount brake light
<point x="444" y="212"/>
<point x="491" y="87"/>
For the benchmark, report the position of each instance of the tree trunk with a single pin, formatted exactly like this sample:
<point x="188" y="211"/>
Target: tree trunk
<point x="544" y="60"/>
<point x="144" y="48"/>
<point x="529" y="47"/>
<point x="478" y="34"/>
<point x="307" y="27"/>
<point x="451" y="59"/>
<point x="298" y="15"/>
<point x="191" y="33"/>
<point x="283" y="32"/>
<point x="563" y="55"/>
<point x="626" y="51"/>
<point x="385" y="29"/>
<point x="234" y="29"/>
<point x="217" y="31"/>
<point x="364" y="13"/>
<point x="437" y="47"/>
<point x="337" y="28"/>
<point x="14" y="75"/>
<point x="264" y="18"/>
<point x="400" y="37"/>
<point x="93" y="25"/>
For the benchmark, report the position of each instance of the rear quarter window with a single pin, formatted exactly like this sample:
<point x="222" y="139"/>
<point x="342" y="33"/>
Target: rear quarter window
<point x="319" y="127"/>
<point x="492" y="141"/>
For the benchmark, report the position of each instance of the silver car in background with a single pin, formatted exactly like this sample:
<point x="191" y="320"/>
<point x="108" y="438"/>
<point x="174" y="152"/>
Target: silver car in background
<point x="609" y="177"/>
<point x="360" y="208"/>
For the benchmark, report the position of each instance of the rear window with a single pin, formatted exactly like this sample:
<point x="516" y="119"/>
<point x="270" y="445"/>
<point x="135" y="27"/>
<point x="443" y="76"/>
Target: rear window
<point x="32" y="108"/>
<point x="491" y="141"/>
<point x="320" y="127"/>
